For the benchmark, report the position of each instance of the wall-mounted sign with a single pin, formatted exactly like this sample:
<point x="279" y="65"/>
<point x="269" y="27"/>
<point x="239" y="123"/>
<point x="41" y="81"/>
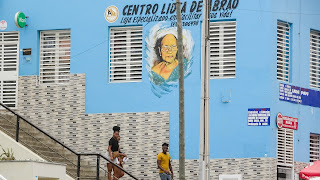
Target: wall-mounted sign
<point x="287" y="122"/>
<point x="26" y="51"/>
<point x="298" y="95"/>
<point x="3" y="25"/>
<point x="191" y="12"/>
<point x="259" y="117"/>
<point x="111" y="14"/>
<point x="20" y="19"/>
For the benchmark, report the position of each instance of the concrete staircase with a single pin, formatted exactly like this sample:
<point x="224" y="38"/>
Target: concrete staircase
<point x="50" y="150"/>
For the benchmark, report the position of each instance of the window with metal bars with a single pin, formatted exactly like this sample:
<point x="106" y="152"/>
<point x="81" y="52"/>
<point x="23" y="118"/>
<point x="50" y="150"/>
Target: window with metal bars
<point x="283" y="51"/>
<point x="125" y="54"/>
<point x="9" y="59"/>
<point x="285" y="147"/>
<point x="55" y="56"/>
<point x="315" y="59"/>
<point x="314" y="147"/>
<point x="8" y="93"/>
<point x="222" y="49"/>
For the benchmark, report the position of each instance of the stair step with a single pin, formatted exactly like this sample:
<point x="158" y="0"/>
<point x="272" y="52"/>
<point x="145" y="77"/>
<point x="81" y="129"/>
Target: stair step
<point x="48" y="149"/>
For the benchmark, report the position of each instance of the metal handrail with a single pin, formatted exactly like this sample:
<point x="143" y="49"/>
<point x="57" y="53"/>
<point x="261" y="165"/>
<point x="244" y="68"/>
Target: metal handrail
<point x="99" y="155"/>
<point x="52" y="150"/>
<point x="57" y="141"/>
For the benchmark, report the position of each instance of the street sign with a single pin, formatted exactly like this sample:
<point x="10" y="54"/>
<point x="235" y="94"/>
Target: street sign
<point x="287" y="122"/>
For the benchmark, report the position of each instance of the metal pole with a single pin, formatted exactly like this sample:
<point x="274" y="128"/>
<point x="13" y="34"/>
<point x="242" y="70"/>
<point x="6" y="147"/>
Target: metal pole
<point x="181" y="94"/>
<point x="78" y="167"/>
<point x="98" y="167"/>
<point x="17" y="129"/>
<point x="204" y="173"/>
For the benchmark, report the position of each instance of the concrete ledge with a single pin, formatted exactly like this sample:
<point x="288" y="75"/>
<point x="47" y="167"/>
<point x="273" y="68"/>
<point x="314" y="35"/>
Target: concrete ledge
<point x="17" y="170"/>
<point x="22" y="154"/>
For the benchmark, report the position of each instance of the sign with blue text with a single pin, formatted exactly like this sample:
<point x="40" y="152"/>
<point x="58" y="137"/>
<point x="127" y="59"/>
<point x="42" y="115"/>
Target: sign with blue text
<point x="259" y="117"/>
<point x="191" y="12"/>
<point x="298" y="95"/>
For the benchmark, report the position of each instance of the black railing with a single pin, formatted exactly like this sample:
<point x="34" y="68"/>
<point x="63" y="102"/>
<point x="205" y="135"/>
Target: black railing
<point x="78" y="155"/>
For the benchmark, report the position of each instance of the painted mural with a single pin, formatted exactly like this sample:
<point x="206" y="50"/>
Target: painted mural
<point x="162" y="57"/>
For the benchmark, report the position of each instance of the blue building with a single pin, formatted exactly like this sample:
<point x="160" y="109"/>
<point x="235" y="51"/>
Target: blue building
<point x="79" y="67"/>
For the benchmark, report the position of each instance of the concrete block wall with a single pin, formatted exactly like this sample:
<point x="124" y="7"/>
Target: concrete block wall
<point x="60" y="111"/>
<point x="249" y="168"/>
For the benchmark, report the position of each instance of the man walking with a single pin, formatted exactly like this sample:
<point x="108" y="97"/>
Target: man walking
<point x="164" y="163"/>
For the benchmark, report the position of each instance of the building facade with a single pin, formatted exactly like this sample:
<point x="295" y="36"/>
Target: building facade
<point x="79" y="67"/>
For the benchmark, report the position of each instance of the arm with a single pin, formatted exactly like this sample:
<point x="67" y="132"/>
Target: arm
<point x="123" y="154"/>
<point x="170" y="167"/>
<point x="160" y="167"/>
<point x="110" y="152"/>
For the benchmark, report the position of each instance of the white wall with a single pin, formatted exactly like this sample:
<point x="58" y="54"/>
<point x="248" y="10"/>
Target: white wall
<point x="32" y="170"/>
<point x="20" y="151"/>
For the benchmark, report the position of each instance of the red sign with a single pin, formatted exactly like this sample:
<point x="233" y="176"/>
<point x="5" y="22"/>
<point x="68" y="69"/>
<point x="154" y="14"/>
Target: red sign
<point x="287" y="122"/>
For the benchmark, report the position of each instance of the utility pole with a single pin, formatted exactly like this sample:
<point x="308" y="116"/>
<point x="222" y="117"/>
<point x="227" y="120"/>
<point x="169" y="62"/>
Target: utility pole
<point x="204" y="151"/>
<point x="181" y="95"/>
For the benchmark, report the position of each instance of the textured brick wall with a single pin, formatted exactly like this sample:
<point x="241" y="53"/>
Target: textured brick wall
<point x="60" y="110"/>
<point x="298" y="166"/>
<point x="249" y="168"/>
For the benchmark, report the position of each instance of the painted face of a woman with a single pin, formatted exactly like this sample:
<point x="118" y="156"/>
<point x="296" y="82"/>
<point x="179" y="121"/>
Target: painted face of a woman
<point x="169" y="48"/>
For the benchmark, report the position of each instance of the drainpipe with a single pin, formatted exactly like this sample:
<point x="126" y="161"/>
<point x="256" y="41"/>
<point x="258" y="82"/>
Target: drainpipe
<point x="204" y="152"/>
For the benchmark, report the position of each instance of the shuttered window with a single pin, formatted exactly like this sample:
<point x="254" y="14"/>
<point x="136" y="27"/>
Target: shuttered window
<point x="9" y="58"/>
<point x="283" y="51"/>
<point x="8" y="93"/>
<point x="222" y="49"/>
<point x="55" y="56"/>
<point x="315" y="59"/>
<point x="314" y="147"/>
<point x="125" y="60"/>
<point x="285" y="147"/>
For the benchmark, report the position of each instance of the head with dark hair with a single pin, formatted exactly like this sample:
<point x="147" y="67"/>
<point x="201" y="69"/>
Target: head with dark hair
<point x="165" y="147"/>
<point x="164" y="46"/>
<point x="116" y="130"/>
<point x="165" y="144"/>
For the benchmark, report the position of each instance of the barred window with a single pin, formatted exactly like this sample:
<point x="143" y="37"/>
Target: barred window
<point x="285" y="150"/>
<point x="125" y="60"/>
<point x="314" y="147"/>
<point x="222" y="49"/>
<point x="283" y="51"/>
<point x="315" y="59"/>
<point x="285" y="146"/>
<point x="9" y="59"/>
<point x="55" y="56"/>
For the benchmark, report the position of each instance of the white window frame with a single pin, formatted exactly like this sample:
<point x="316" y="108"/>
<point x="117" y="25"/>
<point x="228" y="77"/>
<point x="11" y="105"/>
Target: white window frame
<point x="289" y="169"/>
<point x="125" y="54"/>
<point x="283" y="51"/>
<point x="9" y="76"/>
<point x="222" y="35"/>
<point x="285" y="149"/>
<point x="54" y="66"/>
<point x="314" y="147"/>
<point x="229" y="176"/>
<point x="314" y="59"/>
